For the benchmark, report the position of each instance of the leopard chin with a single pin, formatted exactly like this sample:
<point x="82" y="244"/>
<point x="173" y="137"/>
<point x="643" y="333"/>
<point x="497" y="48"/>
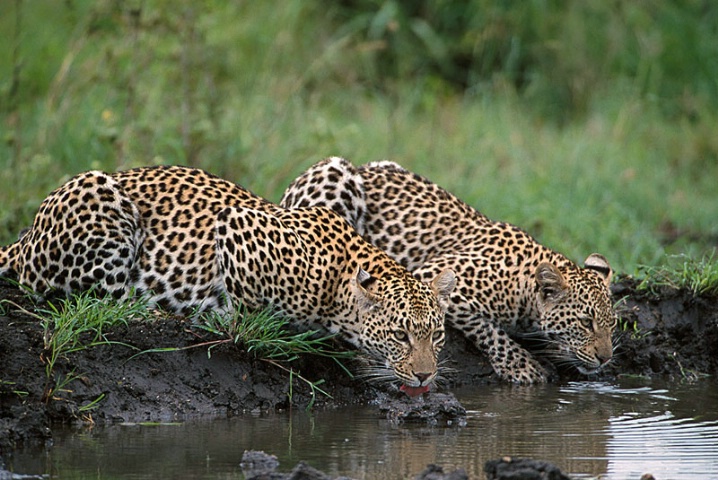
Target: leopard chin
<point x="588" y="371"/>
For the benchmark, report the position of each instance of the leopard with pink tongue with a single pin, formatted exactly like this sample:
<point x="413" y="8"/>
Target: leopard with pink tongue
<point x="189" y="241"/>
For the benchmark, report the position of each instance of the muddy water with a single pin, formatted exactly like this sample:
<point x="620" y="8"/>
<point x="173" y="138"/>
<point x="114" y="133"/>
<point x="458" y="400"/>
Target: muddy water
<point x="621" y="430"/>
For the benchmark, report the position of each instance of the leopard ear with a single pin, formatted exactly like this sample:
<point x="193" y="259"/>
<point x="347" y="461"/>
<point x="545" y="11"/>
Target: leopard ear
<point x="599" y="264"/>
<point x="362" y="284"/>
<point x="552" y="285"/>
<point x="443" y="285"/>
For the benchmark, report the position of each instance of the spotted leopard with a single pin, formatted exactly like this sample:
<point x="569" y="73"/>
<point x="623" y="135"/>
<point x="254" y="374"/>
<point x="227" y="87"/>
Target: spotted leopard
<point x="191" y="241"/>
<point x="507" y="283"/>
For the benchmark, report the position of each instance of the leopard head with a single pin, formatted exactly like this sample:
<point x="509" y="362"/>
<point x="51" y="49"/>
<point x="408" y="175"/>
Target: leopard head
<point x="576" y="311"/>
<point x="402" y="327"/>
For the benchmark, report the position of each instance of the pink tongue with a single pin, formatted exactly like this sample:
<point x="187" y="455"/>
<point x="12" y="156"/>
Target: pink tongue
<point x="414" y="391"/>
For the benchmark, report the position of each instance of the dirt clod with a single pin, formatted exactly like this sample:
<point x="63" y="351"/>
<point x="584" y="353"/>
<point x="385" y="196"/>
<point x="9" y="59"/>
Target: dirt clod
<point x="508" y="468"/>
<point x="430" y="408"/>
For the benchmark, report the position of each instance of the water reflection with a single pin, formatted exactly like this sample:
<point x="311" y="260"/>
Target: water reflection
<point x="588" y="429"/>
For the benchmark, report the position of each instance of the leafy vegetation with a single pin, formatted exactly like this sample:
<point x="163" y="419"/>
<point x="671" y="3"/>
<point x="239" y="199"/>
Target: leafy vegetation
<point x="557" y="54"/>
<point x="81" y="321"/>
<point x="270" y="338"/>
<point x="591" y="125"/>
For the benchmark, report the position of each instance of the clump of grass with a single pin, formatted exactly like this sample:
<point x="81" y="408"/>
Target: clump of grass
<point x="699" y="276"/>
<point x="625" y="324"/>
<point x="266" y="334"/>
<point x="77" y="323"/>
<point x="66" y="327"/>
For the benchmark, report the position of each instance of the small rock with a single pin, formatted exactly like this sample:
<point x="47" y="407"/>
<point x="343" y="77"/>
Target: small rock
<point x="522" y="469"/>
<point x="302" y="471"/>
<point x="434" y="409"/>
<point x="435" y="472"/>
<point x="257" y="464"/>
<point x="261" y="466"/>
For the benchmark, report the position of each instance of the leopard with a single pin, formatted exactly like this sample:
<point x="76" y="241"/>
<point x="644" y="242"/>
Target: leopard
<point x="508" y="287"/>
<point x="188" y="241"/>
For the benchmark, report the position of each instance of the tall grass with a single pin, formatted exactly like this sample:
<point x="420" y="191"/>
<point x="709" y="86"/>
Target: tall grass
<point x="257" y="92"/>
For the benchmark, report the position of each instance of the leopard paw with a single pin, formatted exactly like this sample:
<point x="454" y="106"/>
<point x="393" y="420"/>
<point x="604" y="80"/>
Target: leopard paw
<point x="522" y="369"/>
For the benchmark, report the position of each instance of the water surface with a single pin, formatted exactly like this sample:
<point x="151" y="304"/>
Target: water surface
<point x="588" y="429"/>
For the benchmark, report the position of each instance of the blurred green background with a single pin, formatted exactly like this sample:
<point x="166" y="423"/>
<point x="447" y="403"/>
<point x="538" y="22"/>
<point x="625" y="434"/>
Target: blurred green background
<point x="590" y="124"/>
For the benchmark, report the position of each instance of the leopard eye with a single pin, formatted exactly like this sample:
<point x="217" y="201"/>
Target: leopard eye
<point x="401" y="336"/>
<point x="587" y="322"/>
<point x="438" y="335"/>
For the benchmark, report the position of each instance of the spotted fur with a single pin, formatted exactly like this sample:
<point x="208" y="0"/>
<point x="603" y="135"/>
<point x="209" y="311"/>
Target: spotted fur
<point x="191" y="241"/>
<point x="507" y="283"/>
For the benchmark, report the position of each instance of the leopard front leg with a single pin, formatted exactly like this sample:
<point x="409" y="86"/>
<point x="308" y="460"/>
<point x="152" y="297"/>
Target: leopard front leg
<point x="468" y="312"/>
<point x="509" y="360"/>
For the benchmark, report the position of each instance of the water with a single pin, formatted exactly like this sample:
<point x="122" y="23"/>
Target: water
<point x="588" y="429"/>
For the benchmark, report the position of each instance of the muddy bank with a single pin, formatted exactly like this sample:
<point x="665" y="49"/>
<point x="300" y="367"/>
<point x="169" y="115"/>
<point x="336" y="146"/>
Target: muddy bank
<point x="671" y="335"/>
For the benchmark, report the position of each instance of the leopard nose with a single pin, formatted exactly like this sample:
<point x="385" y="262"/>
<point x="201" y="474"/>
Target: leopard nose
<point x="604" y="358"/>
<point x="422" y="376"/>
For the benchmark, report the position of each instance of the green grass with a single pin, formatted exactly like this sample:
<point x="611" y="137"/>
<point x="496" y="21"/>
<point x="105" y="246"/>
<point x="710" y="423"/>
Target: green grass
<point x="74" y="324"/>
<point x="267" y="335"/>
<point x="698" y="276"/>
<point x="270" y="338"/>
<point x="82" y="321"/>
<point x="256" y="93"/>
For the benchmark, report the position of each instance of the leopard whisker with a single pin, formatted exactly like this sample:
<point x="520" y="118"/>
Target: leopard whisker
<point x="561" y="355"/>
<point x="444" y="374"/>
<point x="376" y="373"/>
<point x="533" y="333"/>
<point x="441" y="365"/>
<point x="441" y="380"/>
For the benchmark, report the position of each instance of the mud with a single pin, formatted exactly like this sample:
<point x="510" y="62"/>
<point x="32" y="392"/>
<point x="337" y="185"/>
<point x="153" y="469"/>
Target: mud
<point x="670" y="335"/>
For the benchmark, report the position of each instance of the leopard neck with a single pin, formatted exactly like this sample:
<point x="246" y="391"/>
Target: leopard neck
<point x="342" y="314"/>
<point x="527" y="287"/>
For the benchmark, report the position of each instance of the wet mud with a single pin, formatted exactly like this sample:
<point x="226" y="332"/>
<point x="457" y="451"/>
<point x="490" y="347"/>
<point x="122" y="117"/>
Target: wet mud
<point x="668" y="334"/>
